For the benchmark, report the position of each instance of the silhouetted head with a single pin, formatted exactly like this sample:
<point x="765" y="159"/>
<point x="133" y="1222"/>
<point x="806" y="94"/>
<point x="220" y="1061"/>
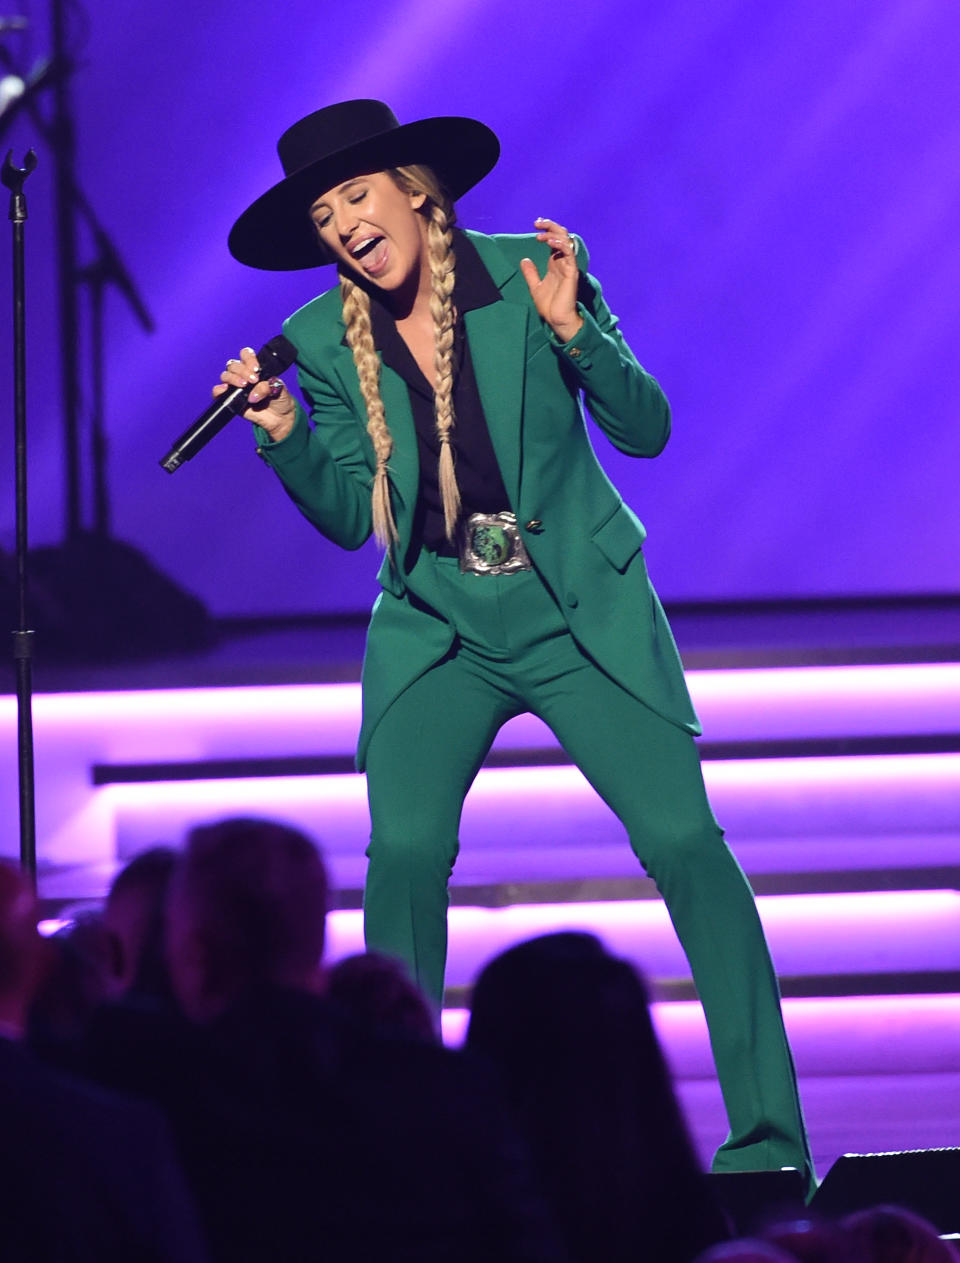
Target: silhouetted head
<point x="21" y="948"/>
<point x="77" y="979"/>
<point x="813" y="1240"/>
<point x="564" y="996"/>
<point x="746" y="1250"/>
<point x="133" y="916"/>
<point x="246" y="908"/>
<point x="890" y="1234"/>
<point x="376" y="990"/>
<point x="568" y="1028"/>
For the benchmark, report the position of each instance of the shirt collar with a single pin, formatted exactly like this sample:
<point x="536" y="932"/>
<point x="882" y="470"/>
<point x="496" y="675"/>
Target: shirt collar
<point x="473" y="287"/>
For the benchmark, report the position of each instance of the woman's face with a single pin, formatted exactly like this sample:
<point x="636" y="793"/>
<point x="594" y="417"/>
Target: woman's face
<point x="373" y="227"/>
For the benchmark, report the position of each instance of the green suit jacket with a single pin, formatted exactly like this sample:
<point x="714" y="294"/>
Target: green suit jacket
<point x="583" y="540"/>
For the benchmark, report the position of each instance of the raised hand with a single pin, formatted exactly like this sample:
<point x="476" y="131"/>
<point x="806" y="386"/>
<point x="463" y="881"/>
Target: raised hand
<point x="555" y="293"/>
<point x="271" y="404"/>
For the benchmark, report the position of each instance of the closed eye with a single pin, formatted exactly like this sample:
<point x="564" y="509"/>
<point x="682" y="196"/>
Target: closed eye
<point x="320" y="221"/>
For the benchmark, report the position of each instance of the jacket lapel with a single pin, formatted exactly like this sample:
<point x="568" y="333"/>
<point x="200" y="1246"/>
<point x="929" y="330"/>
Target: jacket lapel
<point x="498" y="339"/>
<point x="405" y="461"/>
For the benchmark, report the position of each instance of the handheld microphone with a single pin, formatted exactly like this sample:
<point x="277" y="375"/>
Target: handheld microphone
<point x="275" y="357"/>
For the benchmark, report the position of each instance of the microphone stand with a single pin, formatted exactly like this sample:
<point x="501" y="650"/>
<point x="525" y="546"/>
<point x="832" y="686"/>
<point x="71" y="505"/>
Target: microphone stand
<point x="107" y="601"/>
<point x="72" y="205"/>
<point x="13" y="177"/>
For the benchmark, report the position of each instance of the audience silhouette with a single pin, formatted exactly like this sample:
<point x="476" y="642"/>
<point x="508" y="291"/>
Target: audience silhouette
<point x="890" y="1234"/>
<point x="303" y="1132"/>
<point x="568" y="1028"/>
<point x="84" y="1175"/>
<point x="377" y="990"/>
<point x="134" y="919"/>
<point x="251" y="1104"/>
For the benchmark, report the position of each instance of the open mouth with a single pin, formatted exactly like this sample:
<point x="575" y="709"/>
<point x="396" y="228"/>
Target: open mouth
<point x="365" y="247"/>
<point x="372" y="254"/>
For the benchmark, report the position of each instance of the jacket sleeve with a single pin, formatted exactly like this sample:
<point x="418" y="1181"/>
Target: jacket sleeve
<point x="624" y="400"/>
<point x="325" y="467"/>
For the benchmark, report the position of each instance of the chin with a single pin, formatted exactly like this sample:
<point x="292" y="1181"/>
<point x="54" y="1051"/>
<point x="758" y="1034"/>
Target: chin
<point x="382" y="284"/>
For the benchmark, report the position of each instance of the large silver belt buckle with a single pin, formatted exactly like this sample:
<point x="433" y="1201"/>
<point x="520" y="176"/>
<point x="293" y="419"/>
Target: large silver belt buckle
<point x="490" y="543"/>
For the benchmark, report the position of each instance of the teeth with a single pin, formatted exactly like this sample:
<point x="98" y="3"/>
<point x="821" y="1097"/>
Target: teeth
<point x="362" y="247"/>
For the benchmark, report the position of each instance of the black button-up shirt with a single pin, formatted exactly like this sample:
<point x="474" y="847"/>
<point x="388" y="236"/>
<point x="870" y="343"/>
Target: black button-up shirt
<point x="478" y="474"/>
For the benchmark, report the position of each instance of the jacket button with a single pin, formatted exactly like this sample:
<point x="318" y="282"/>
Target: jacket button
<point x="534" y="524"/>
<point x="572" y="600"/>
<point x="574" y="352"/>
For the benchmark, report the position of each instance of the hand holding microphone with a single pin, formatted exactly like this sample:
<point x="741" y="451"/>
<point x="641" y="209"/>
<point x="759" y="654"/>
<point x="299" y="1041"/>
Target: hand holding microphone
<point x="249" y="387"/>
<point x="271" y="406"/>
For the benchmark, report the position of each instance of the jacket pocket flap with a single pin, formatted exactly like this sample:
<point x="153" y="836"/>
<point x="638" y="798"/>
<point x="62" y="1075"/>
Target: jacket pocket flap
<point x="620" y="537"/>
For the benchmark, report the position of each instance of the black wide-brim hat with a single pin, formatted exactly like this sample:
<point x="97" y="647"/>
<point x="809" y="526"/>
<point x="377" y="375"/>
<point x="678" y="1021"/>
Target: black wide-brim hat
<point x="335" y="144"/>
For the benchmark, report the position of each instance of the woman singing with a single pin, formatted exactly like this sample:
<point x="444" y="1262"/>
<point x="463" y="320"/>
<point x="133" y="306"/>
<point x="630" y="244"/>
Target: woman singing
<point x="443" y="379"/>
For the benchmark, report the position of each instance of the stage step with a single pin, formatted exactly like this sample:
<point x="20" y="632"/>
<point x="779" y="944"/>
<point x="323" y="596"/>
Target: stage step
<point x="839" y="944"/>
<point x="117" y="771"/>
<point x="541" y="823"/>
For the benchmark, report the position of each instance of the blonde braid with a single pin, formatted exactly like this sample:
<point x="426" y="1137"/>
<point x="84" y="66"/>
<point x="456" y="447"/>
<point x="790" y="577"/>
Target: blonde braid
<point x="356" y="317"/>
<point x="442" y="261"/>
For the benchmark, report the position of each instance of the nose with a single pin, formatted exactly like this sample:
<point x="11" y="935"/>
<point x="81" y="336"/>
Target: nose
<point x="345" y="218"/>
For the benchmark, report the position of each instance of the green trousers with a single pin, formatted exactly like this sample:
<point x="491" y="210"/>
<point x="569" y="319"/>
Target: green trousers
<point x="513" y="654"/>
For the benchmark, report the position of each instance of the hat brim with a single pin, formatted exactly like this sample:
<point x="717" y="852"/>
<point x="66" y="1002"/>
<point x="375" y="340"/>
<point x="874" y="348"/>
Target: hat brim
<point x="275" y="232"/>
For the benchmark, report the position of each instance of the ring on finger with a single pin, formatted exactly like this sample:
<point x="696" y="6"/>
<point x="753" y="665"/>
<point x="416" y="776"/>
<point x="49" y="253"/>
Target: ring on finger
<point x="276" y="386"/>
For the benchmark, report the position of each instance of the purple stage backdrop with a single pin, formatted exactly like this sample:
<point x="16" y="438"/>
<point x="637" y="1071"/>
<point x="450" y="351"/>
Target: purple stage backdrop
<point x="769" y="193"/>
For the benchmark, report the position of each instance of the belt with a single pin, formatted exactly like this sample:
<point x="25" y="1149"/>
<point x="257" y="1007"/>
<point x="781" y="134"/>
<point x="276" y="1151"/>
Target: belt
<point x="490" y="543"/>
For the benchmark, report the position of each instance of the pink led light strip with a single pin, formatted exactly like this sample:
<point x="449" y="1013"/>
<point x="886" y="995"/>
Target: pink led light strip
<point x="755" y="703"/>
<point x="879" y="1035"/>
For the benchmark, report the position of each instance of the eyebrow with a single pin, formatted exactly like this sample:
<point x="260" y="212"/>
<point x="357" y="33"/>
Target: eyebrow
<point x="339" y="189"/>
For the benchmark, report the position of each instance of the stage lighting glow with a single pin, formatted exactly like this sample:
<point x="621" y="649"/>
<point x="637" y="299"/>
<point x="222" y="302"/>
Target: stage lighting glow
<point x="893" y="1032"/>
<point x="734" y="704"/>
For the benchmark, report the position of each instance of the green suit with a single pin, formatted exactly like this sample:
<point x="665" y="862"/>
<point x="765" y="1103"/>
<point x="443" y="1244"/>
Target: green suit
<point x="588" y="548"/>
<point x="581" y="640"/>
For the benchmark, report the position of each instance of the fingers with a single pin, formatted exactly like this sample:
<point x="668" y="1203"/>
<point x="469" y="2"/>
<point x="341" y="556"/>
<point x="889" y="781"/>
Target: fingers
<point x="266" y="392"/>
<point x="269" y="402"/>
<point x="563" y="243"/>
<point x="245" y="371"/>
<point x="555" y="293"/>
<point x="272" y="389"/>
<point x="530" y="273"/>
